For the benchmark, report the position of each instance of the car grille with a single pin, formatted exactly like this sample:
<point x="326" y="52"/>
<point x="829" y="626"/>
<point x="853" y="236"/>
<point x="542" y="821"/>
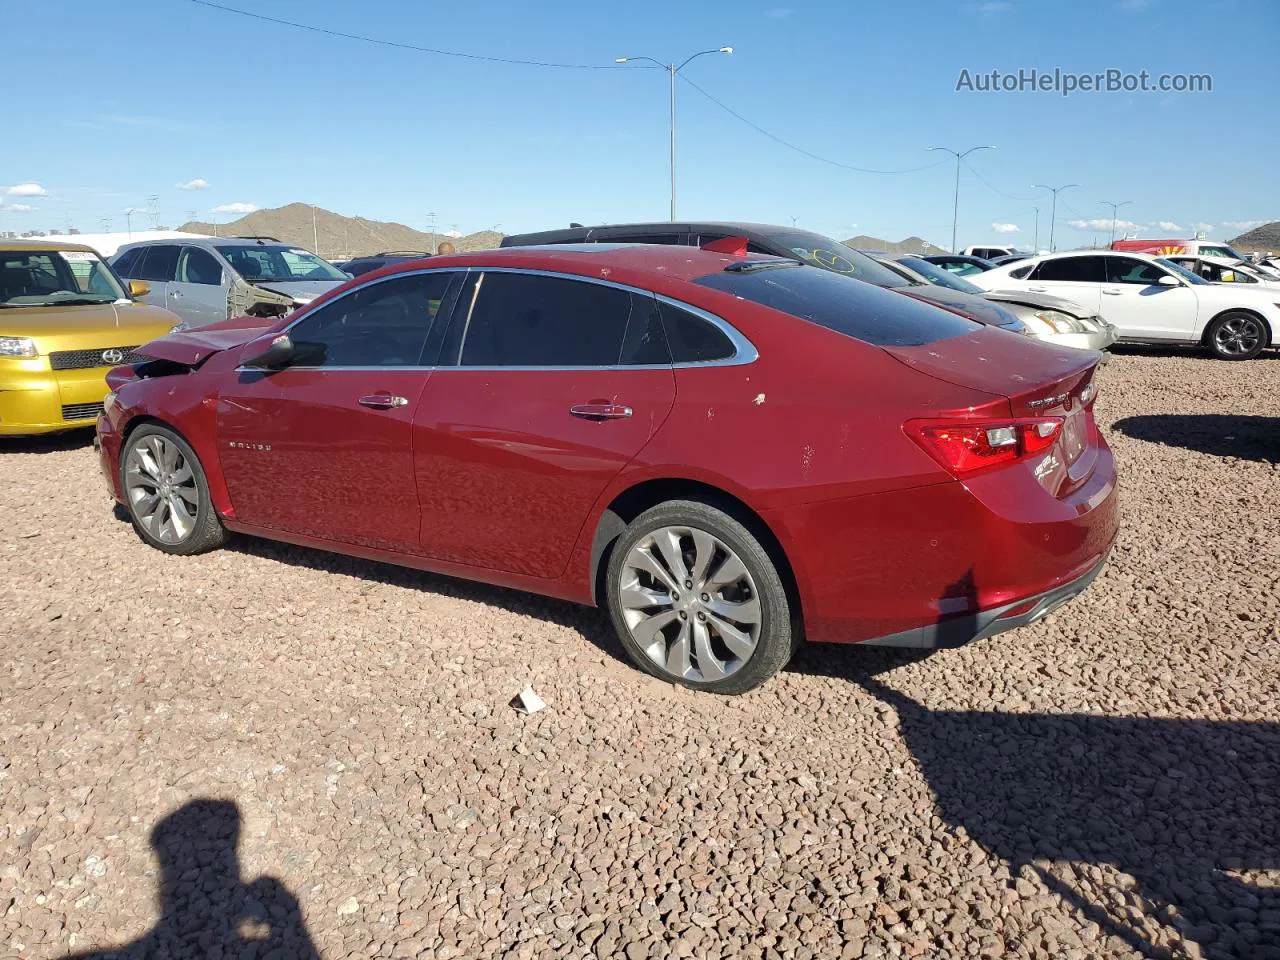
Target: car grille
<point x="80" y="411"/>
<point x="84" y="359"/>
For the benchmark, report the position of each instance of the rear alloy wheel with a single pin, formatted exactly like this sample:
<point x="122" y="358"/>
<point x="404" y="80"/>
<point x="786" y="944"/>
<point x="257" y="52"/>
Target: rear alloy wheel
<point x="696" y="600"/>
<point x="1237" y="336"/>
<point x="166" y="493"/>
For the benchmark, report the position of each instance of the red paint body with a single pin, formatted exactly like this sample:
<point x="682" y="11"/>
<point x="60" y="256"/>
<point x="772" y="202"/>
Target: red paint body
<point x="485" y="475"/>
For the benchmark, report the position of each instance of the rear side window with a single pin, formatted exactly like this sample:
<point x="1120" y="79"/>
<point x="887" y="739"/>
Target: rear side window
<point x="1073" y="270"/>
<point x="1019" y="273"/>
<point x="693" y="339"/>
<point x="161" y="263"/>
<point x="840" y="303"/>
<point x="526" y="320"/>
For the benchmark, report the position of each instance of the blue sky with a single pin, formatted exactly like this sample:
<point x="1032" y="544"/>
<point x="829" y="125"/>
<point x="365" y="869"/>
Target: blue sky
<point x="125" y="101"/>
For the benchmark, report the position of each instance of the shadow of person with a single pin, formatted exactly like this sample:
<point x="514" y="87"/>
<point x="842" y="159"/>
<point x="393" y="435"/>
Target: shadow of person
<point x="206" y="910"/>
<point x="1182" y="806"/>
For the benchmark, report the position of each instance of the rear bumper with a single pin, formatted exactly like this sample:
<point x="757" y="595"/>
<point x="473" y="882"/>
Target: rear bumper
<point x="958" y="631"/>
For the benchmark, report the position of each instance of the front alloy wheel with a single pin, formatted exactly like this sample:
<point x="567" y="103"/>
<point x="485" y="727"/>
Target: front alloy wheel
<point x="1237" y="336"/>
<point x="167" y="494"/>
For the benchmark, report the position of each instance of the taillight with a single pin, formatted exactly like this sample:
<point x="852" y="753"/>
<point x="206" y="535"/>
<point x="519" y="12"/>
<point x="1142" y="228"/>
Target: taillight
<point x="968" y="446"/>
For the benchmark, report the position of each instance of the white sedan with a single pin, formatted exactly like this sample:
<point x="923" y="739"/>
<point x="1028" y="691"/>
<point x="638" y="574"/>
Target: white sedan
<point x="1225" y="270"/>
<point x="1151" y="300"/>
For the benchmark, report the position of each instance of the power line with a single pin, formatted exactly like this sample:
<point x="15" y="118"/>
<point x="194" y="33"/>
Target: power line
<point x="404" y="46"/>
<point x="791" y="146"/>
<point x="983" y="180"/>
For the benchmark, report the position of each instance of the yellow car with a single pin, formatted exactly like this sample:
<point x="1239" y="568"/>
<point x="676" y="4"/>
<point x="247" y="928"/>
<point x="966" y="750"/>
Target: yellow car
<point x="65" y="320"/>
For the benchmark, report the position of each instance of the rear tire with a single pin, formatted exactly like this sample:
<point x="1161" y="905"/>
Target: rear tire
<point x="166" y="493"/>
<point x="1237" y="335"/>
<point x="697" y="600"/>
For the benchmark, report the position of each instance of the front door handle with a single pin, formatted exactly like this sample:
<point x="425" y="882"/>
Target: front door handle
<point x="600" y="411"/>
<point x="175" y="293"/>
<point x="1112" y="293"/>
<point x="382" y="401"/>
<point x="1037" y="289"/>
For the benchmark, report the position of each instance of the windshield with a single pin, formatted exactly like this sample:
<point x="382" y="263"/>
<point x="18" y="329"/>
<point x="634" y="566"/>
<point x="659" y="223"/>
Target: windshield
<point x="835" y="256"/>
<point x="56" y="277"/>
<point x="936" y="275"/>
<point x="1222" y="251"/>
<point x="1183" y="272"/>
<point x="279" y="263"/>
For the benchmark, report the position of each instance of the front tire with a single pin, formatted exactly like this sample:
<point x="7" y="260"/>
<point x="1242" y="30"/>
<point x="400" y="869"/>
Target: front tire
<point x="1236" y="335"/>
<point x="166" y="493"/>
<point x="696" y="600"/>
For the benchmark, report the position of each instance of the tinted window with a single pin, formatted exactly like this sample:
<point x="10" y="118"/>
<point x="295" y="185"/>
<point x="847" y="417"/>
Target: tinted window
<point x="693" y="339"/>
<point x="667" y="238"/>
<point x="646" y="340"/>
<point x="843" y="304"/>
<point x="835" y="256"/>
<point x="524" y="320"/>
<point x="935" y="274"/>
<point x="199" y="266"/>
<point x="161" y="263"/>
<point x="382" y="325"/>
<point x="1073" y="269"/>
<point x="1019" y="272"/>
<point x="1128" y="270"/>
<point x="128" y="260"/>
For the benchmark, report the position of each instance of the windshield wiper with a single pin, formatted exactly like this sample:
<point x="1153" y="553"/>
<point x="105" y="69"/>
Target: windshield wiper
<point x="75" y="302"/>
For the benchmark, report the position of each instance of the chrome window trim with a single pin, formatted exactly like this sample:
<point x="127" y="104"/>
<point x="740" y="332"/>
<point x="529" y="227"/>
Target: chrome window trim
<point x="745" y="351"/>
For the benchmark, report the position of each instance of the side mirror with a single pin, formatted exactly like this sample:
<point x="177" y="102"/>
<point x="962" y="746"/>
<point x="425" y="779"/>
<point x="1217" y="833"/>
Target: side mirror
<point x="139" y="288"/>
<point x="1168" y="280"/>
<point x="272" y="352"/>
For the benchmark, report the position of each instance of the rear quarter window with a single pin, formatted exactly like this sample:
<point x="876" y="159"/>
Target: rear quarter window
<point x="856" y="309"/>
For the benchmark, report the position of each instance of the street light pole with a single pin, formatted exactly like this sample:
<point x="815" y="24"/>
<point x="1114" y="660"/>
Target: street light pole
<point x="1035" y="246"/>
<point x="955" y="206"/>
<point x="1114" y="207"/>
<point x="1053" y="209"/>
<point x="672" y="70"/>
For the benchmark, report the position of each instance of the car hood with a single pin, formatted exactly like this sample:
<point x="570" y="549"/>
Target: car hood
<point x="193" y="347"/>
<point x="1041" y="301"/>
<point x="86" y="326"/>
<point x="970" y="304"/>
<point x="302" y="291"/>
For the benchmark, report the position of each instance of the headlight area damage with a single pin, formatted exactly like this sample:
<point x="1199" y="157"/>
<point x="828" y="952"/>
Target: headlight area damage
<point x="246" y="299"/>
<point x="188" y="350"/>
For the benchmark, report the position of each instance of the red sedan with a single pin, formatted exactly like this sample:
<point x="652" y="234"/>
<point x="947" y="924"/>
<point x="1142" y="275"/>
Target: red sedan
<point x="730" y="452"/>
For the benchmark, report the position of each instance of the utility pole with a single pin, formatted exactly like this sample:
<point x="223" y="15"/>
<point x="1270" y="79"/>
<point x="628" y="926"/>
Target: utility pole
<point x="128" y="220"/>
<point x="154" y="201"/>
<point x="955" y="206"/>
<point x="315" y="236"/>
<point x="672" y="70"/>
<point x="1114" y="207"/>
<point x="1035" y="245"/>
<point x="1053" y="210"/>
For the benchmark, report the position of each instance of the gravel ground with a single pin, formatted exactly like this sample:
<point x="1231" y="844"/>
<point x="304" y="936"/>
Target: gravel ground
<point x="267" y="751"/>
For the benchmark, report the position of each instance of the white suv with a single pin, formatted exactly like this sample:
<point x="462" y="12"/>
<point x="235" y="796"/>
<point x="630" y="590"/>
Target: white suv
<point x="1151" y="300"/>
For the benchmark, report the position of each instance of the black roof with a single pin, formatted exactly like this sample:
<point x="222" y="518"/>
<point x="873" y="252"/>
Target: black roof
<point x="752" y="231"/>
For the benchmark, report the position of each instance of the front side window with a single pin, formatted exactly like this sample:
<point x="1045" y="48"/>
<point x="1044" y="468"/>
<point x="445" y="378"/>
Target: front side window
<point x="527" y="320"/>
<point x="55" y="277"/>
<point x="943" y="278"/>
<point x="126" y="262"/>
<point x="1128" y="270"/>
<point x="1072" y="270"/>
<point x="199" y="266"/>
<point x="278" y="263"/>
<point x="159" y="264"/>
<point x="385" y="324"/>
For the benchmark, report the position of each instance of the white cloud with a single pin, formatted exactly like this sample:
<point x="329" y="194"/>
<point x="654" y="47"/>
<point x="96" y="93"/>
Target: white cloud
<point x="1104" y="223"/>
<point x="453" y="233"/>
<point x="1005" y="227"/>
<point x="235" y="208"/>
<point x="1169" y="225"/>
<point x="779" y="13"/>
<point x="28" y="189"/>
<point x="1245" y="224"/>
<point x="16" y="208"/>
<point x="1204" y="228"/>
<point x="196" y="184"/>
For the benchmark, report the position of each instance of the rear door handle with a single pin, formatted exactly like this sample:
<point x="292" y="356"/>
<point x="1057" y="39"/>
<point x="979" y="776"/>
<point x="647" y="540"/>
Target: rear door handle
<point x="175" y="293"/>
<point x="1112" y="293"/>
<point x="600" y="411"/>
<point x="382" y="401"/>
<point x="1036" y="289"/>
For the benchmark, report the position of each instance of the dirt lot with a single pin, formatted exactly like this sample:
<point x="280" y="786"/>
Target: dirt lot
<point x="270" y="751"/>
